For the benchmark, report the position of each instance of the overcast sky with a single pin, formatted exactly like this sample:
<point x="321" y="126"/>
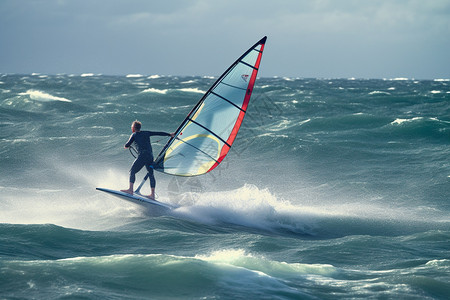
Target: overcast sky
<point x="324" y="39"/>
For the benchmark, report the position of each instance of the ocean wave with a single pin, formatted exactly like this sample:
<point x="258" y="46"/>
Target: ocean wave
<point x="401" y="121"/>
<point x="134" y="76"/>
<point x="248" y="207"/>
<point x="192" y="90"/>
<point x="379" y="93"/>
<point x="43" y="96"/>
<point x="188" y="82"/>
<point x="242" y="259"/>
<point x="430" y="124"/>
<point x="286" y="124"/>
<point x="143" y="275"/>
<point x="165" y="91"/>
<point x="355" y="121"/>
<point x="153" y="90"/>
<point x="225" y="273"/>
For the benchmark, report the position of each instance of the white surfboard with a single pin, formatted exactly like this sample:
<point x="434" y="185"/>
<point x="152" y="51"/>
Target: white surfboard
<point x="136" y="198"/>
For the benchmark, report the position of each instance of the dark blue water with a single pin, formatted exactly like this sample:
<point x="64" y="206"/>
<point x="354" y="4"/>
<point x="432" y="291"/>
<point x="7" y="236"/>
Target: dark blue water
<point x="335" y="188"/>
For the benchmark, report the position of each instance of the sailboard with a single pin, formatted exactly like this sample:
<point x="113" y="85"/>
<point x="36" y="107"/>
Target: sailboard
<point x="136" y="198"/>
<point x="206" y="135"/>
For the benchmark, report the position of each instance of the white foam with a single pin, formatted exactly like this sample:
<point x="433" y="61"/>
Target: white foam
<point x="134" y="76"/>
<point x="284" y="124"/>
<point x="42" y="96"/>
<point x="379" y="93"/>
<point x="154" y="77"/>
<point x="258" y="263"/>
<point x="401" y="121"/>
<point x="247" y="206"/>
<point x="189" y="81"/>
<point x="192" y="90"/>
<point x="87" y="75"/>
<point x="153" y="90"/>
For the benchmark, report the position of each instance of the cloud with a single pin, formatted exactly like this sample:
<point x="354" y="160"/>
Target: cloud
<point x="323" y="38"/>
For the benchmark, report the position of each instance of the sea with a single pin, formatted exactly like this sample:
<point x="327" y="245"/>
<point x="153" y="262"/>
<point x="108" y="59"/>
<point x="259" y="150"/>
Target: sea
<point x="334" y="189"/>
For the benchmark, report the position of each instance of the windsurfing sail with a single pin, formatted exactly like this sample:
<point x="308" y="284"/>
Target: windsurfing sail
<point x="205" y="137"/>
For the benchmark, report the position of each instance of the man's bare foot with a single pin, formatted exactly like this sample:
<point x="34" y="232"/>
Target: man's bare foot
<point x="127" y="191"/>
<point x="152" y="197"/>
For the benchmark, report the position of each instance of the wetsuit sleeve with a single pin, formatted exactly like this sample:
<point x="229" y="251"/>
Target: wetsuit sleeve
<point x="130" y="141"/>
<point x="159" y="133"/>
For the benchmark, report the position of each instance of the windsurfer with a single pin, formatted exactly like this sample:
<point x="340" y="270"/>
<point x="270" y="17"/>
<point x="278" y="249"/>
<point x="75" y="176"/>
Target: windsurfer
<point x="141" y="140"/>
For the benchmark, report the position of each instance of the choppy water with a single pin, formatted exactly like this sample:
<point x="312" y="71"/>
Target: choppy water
<point x="335" y="188"/>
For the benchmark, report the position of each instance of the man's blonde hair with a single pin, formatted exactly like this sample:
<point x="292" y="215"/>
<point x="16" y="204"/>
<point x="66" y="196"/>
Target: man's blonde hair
<point x="137" y="125"/>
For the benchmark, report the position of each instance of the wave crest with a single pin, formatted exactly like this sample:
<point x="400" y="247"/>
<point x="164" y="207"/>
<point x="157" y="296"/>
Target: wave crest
<point x="43" y="96"/>
<point x="249" y="207"/>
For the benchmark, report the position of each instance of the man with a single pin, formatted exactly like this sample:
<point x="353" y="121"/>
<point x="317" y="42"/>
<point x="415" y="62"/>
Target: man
<point x="141" y="139"/>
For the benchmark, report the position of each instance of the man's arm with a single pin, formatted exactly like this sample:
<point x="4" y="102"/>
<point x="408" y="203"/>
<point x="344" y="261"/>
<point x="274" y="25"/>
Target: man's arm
<point x="130" y="141"/>
<point x="161" y="133"/>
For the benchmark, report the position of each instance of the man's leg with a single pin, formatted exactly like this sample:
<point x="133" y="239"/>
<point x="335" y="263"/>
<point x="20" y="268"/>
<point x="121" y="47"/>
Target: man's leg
<point x="136" y="167"/>
<point x="151" y="177"/>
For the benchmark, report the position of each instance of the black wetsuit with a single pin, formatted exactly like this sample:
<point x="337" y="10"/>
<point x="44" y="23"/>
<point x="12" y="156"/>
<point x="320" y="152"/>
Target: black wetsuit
<point x="141" y="140"/>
